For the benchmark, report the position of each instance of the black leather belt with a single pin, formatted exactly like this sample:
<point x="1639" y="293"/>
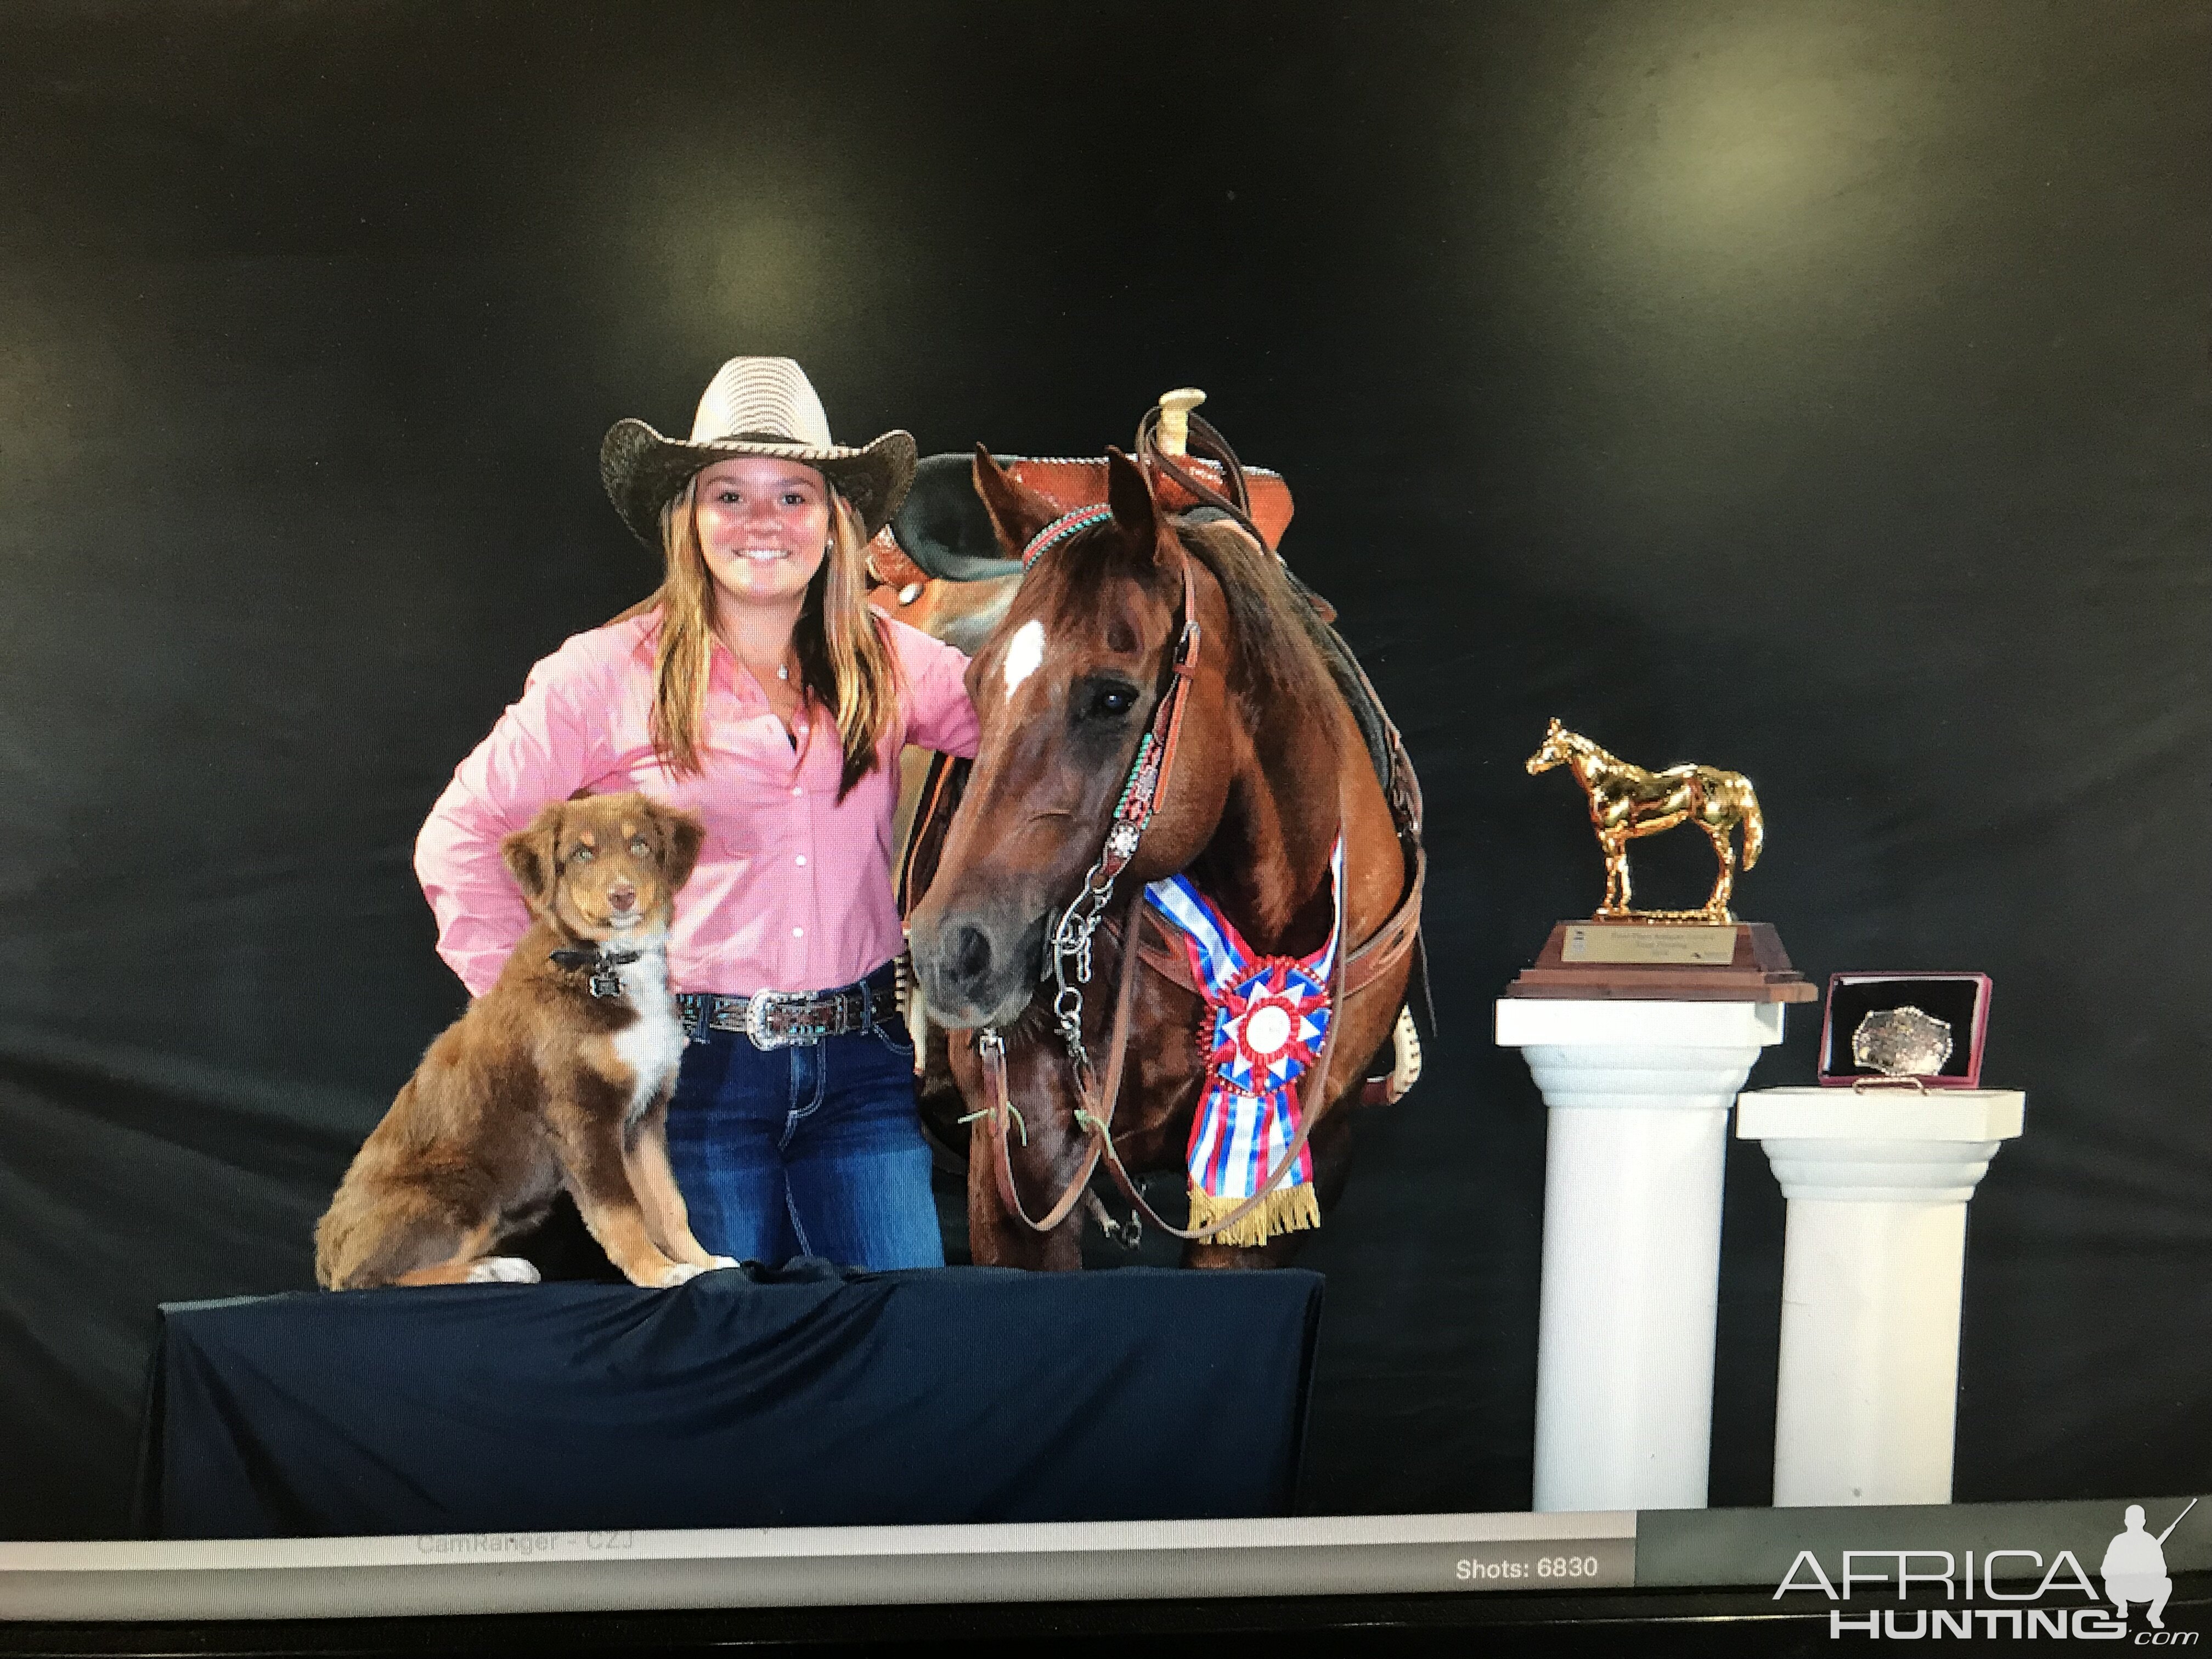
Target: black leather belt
<point x="782" y="1019"/>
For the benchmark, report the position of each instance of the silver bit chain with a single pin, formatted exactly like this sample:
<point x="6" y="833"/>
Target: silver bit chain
<point x="1071" y="941"/>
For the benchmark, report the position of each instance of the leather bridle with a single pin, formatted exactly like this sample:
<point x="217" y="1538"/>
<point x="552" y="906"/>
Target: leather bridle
<point x="1071" y="941"/>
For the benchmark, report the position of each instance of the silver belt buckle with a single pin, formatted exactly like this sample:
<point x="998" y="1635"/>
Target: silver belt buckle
<point x="760" y="1006"/>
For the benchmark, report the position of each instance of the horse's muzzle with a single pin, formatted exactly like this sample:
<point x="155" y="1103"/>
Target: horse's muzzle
<point x="978" y="965"/>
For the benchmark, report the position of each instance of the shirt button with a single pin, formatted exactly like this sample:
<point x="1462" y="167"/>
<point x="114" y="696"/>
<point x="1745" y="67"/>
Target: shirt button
<point x="801" y="860"/>
<point x="798" y="789"/>
<point x="799" y="933"/>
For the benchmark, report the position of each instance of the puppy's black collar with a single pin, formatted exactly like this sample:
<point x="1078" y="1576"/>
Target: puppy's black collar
<point x="606" y="982"/>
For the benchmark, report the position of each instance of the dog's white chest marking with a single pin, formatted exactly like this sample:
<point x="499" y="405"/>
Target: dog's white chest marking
<point x="652" y="1045"/>
<point x="1023" y="653"/>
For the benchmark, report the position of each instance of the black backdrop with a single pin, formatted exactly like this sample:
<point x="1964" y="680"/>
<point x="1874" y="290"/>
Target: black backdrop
<point x="1816" y="390"/>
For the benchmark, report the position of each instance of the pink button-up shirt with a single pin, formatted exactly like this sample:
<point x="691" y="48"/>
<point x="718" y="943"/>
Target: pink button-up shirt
<point x="792" y="890"/>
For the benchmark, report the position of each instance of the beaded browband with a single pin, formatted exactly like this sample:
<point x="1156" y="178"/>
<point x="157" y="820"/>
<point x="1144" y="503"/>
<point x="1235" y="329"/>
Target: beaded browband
<point x="1061" y="528"/>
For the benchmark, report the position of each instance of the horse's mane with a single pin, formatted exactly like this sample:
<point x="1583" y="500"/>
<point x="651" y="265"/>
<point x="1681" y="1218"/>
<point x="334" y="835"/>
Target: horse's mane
<point x="1281" y="647"/>
<point x="1282" y="652"/>
<point x="1591" y="746"/>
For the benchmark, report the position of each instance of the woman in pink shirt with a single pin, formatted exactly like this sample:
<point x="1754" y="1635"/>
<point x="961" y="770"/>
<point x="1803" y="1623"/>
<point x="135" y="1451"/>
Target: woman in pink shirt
<point x="757" y="689"/>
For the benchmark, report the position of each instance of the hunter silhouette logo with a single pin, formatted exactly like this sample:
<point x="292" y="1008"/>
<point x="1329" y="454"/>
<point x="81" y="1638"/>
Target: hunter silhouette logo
<point x="2134" y="1568"/>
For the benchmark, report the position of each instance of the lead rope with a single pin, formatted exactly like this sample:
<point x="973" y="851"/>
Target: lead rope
<point x="992" y="1051"/>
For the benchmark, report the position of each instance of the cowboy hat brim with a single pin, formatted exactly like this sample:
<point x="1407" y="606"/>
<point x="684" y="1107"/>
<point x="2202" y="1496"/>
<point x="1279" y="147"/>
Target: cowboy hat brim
<point x="642" y="471"/>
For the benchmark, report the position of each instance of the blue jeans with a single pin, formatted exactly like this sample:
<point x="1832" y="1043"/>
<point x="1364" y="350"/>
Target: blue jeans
<point x="813" y="1150"/>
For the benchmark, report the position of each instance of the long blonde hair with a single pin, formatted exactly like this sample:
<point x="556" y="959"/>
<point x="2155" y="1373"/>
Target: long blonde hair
<point x="844" y="661"/>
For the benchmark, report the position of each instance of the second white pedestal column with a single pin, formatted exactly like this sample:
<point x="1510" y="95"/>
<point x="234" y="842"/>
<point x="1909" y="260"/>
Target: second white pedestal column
<point x="1636" y="1141"/>
<point x="1866" y="1397"/>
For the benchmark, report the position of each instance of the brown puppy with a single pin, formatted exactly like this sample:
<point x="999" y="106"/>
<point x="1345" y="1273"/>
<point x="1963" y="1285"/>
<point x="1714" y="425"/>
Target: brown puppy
<point x="558" y="1075"/>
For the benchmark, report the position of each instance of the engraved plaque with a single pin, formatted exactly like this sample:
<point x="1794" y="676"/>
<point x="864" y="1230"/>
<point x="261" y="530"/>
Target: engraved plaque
<point x="1704" y="946"/>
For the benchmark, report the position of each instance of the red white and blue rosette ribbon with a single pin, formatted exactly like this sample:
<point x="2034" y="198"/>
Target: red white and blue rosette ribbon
<point x="1269" y="1021"/>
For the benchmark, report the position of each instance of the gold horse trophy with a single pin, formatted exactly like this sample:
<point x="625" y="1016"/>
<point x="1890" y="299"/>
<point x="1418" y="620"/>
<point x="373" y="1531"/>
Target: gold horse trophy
<point x="1627" y="802"/>
<point x="1699" y="954"/>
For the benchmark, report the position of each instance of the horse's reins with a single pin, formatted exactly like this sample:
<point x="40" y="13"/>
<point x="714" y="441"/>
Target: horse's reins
<point x="1310" y="1107"/>
<point x="1203" y="440"/>
<point x="1402" y="788"/>
<point x="1071" y="938"/>
<point x="1098" y="1125"/>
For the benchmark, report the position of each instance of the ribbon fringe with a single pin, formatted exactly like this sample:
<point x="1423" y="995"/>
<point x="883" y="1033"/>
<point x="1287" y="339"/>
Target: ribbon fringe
<point x="1286" y="1210"/>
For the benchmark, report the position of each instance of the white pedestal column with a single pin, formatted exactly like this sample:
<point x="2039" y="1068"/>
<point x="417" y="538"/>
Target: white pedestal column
<point x="1866" y="1397"/>
<point x="1637" y="1139"/>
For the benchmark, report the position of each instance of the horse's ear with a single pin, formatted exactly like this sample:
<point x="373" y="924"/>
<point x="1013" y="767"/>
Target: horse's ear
<point x="1131" y="498"/>
<point x="1018" y="511"/>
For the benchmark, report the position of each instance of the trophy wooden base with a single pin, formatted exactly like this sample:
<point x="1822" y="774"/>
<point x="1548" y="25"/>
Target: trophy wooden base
<point x="1664" y="962"/>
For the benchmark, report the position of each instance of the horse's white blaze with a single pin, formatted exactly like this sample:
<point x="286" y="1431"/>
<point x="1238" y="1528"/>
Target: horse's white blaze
<point x="1023" y="653"/>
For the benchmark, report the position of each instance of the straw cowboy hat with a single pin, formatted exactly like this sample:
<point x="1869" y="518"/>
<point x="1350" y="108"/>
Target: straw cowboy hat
<point x="753" y="406"/>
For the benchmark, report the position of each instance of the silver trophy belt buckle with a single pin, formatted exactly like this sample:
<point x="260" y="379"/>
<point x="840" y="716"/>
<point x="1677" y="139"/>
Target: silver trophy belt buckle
<point x="760" y="1008"/>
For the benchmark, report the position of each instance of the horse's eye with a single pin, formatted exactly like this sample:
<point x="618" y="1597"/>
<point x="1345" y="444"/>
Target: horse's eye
<point x="1110" y="702"/>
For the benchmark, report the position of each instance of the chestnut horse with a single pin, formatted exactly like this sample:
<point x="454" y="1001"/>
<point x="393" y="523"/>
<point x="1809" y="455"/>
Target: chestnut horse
<point x="1269" y="766"/>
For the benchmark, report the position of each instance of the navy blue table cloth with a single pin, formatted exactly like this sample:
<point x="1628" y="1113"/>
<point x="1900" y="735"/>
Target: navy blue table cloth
<point x="795" y="1397"/>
